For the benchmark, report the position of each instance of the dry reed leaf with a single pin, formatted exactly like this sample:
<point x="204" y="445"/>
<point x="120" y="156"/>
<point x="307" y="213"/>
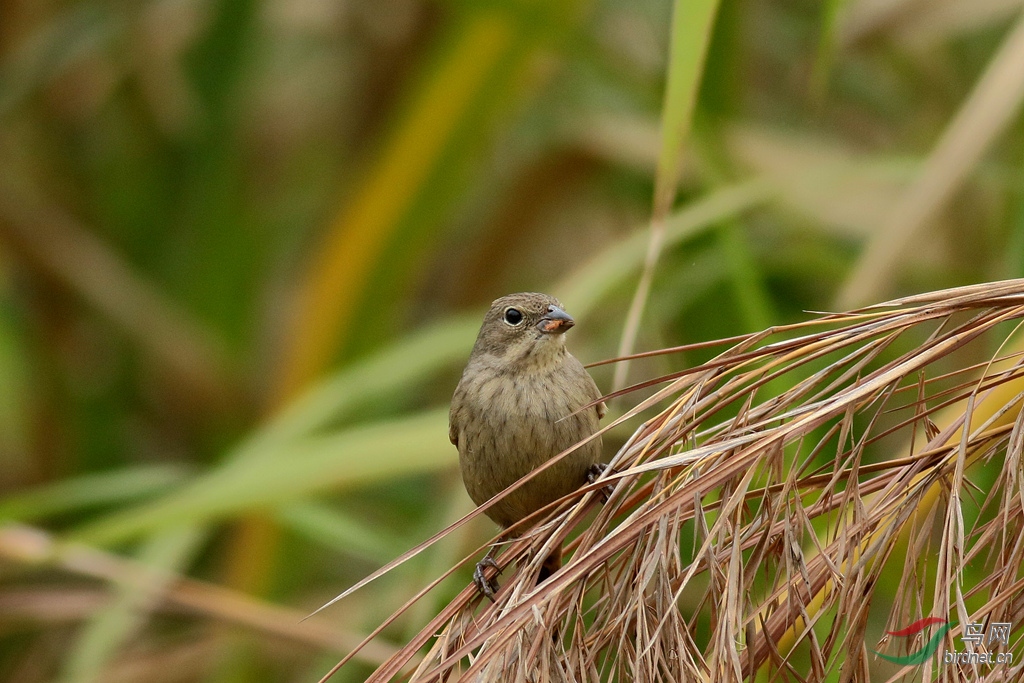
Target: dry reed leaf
<point x="935" y="22"/>
<point x="848" y="192"/>
<point x="29" y="546"/>
<point x="922" y="22"/>
<point x="991" y="106"/>
<point x="748" y="531"/>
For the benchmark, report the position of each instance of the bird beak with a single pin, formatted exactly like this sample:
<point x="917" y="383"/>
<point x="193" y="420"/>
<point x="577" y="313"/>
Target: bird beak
<point x="556" y="321"/>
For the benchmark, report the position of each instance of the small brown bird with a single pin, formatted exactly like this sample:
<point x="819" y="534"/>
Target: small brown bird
<point x="515" y="409"/>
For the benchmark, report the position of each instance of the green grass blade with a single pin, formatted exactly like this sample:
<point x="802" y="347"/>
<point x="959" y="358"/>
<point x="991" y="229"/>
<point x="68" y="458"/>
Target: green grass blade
<point x="693" y="22"/>
<point x="316" y="465"/>
<point x="692" y="25"/>
<point x="109" y="628"/>
<point x="334" y="529"/>
<point x="88" y="491"/>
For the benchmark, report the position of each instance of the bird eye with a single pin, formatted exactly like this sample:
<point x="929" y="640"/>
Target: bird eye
<point x="513" y="316"/>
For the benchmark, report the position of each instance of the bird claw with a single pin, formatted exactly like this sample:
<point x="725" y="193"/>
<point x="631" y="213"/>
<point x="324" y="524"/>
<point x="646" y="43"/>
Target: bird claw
<point x="488" y="587"/>
<point x="593" y="474"/>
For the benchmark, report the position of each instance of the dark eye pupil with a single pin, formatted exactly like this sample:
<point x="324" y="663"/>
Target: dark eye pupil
<point x="513" y="316"/>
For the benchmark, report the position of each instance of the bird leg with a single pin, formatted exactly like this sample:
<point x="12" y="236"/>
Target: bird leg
<point x="487" y="586"/>
<point x="593" y="474"/>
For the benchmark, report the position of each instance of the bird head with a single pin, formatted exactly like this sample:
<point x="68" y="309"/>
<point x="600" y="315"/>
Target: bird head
<point x="524" y="328"/>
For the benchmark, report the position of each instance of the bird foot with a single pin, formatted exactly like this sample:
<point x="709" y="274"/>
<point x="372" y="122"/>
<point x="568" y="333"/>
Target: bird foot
<point x="593" y="474"/>
<point x="487" y="586"/>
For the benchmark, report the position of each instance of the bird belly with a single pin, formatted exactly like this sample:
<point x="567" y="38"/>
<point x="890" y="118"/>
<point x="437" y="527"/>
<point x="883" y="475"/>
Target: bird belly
<point x="517" y="427"/>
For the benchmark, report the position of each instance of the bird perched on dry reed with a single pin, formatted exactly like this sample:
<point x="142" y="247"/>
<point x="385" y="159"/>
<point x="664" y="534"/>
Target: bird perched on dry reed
<point x="516" y="408"/>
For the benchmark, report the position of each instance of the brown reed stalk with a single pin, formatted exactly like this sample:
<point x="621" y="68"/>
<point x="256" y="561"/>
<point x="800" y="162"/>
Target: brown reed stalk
<point x="748" y="531"/>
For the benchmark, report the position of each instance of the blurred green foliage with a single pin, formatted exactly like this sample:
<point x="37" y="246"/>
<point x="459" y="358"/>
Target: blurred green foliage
<point x="244" y="245"/>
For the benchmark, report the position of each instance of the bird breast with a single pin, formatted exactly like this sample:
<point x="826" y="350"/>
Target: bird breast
<point x="513" y="423"/>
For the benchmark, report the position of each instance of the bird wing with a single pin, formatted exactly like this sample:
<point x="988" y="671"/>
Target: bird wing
<point x="595" y="393"/>
<point x="453" y="432"/>
<point x="601" y="407"/>
<point x="454" y="415"/>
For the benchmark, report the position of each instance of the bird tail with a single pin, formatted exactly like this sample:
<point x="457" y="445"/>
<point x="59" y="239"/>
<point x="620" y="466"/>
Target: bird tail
<point x="552" y="563"/>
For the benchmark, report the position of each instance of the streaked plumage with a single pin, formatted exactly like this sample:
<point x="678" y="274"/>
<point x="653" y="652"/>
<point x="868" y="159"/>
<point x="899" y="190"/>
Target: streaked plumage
<point x="513" y="409"/>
